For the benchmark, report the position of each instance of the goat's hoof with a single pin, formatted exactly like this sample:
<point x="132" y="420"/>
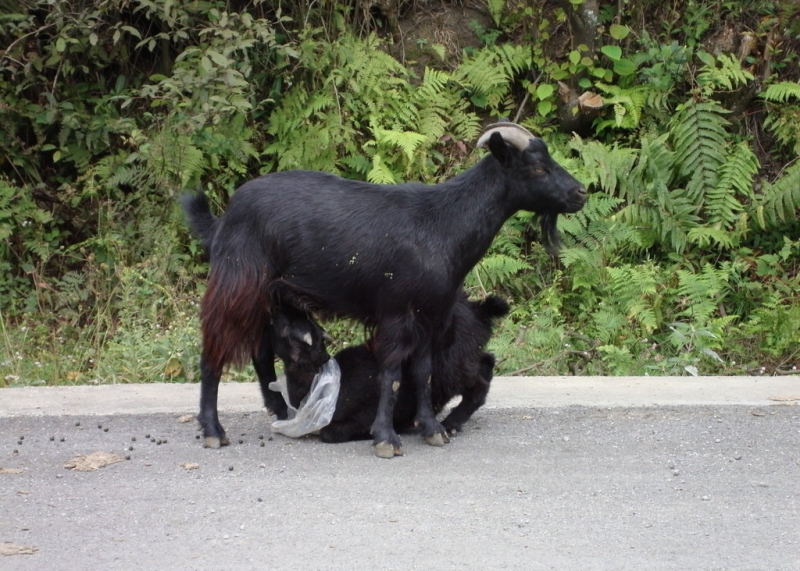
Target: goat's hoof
<point x="437" y="439"/>
<point x="387" y="450"/>
<point x="216" y="442"/>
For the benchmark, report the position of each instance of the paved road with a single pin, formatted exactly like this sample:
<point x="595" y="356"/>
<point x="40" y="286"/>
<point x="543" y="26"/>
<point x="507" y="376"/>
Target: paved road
<point x="554" y="473"/>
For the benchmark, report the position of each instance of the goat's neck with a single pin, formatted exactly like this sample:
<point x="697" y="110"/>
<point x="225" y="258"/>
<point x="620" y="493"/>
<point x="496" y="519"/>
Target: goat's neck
<point x="477" y="205"/>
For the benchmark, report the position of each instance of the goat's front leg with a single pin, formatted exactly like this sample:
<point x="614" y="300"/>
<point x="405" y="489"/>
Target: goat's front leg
<point x="209" y="389"/>
<point x="420" y="374"/>
<point x="387" y="443"/>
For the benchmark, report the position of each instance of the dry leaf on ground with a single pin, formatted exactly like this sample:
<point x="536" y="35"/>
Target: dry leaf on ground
<point x="92" y="461"/>
<point x="190" y="466"/>
<point x="14" y="549"/>
<point x="784" y="398"/>
<point x="186" y="418"/>
<point x="10" y="470"/>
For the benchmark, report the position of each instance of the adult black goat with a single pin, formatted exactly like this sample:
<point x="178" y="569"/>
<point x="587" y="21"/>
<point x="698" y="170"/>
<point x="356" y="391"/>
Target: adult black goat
<point x="459" y="367"/>
<point x="393" y="257"/>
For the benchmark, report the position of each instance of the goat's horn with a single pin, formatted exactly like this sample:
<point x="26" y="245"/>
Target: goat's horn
<point x="513" y="134"/>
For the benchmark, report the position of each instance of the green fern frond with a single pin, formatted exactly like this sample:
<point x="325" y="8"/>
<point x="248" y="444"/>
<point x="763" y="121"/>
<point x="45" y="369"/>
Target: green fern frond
<point x="482" y="73"/>
<point x="699" y="138"/>
<point x="495" y="269"/>
<point x="434" y="80"/>
<point x="357" y="163"/>
<point x="649" y="180"/>
<point x="173" y="159"/>
<point x="603" y="165"/>
<point x="628" y="103"/>
<point x="739" y="169"/>
<point x="516" y="59"/>
<point x="406" y="141"/>
<point x="380" y="173"/>
<point x="781" y="92"/>
<point x="784" y="121"/>
<point x="729" y="75"/>
<point x="700" y="293"/>
<point x="780" y="201"/>
<point x="636" y="290"/>
<point x="706" y="236"/>
<point x="488" y="74"/>
<point x="658" y="100"/>
<point x="722" y="204"/>
<point x="133" y="176"/>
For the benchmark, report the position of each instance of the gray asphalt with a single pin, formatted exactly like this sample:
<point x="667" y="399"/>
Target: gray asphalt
<point x="553" y="473"/>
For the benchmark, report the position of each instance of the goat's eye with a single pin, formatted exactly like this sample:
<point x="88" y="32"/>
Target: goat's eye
<point x="537" y="171"/>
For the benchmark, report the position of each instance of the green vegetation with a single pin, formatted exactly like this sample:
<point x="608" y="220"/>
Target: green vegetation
<point x="683" y="119"/>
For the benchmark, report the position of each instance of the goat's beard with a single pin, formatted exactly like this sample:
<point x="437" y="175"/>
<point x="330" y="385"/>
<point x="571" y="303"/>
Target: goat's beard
<point x="551" y="239"/>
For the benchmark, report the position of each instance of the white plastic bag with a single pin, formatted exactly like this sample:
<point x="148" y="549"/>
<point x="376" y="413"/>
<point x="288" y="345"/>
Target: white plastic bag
<point x="316" y="409"/>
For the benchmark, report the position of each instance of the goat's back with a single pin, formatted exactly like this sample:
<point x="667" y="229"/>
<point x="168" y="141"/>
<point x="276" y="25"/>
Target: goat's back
<point x="347" y="247"/>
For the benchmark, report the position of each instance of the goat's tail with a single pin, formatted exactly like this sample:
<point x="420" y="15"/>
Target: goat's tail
<point x="199" y="218"/>
<point x="494" y="306"/>
<point x="234" y="314"/>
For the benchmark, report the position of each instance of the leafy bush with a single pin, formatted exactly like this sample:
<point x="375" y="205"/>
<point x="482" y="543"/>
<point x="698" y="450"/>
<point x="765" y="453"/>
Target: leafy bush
<point x="684" y="260"/>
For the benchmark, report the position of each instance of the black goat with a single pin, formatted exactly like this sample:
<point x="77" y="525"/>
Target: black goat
<point x="460" y="367"/>
<point x="393" y="257"/>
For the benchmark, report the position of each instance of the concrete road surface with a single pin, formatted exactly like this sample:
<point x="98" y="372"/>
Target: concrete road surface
<point x="554" y="473"/>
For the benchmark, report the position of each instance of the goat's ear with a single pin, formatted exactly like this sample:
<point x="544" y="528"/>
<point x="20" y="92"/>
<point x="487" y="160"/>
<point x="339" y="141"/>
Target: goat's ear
<point x="498" y="147"/>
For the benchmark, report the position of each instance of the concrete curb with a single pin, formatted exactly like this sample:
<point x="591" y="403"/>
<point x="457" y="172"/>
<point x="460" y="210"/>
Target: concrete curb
<point x="507" y="392"/>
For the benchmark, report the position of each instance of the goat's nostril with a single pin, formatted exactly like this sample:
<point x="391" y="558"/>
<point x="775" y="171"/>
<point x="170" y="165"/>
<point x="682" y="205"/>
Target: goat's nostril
<point x="581" y="190"/>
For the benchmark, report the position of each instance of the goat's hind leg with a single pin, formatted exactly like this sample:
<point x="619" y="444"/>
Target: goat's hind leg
<point x="213" y="432"/>
<point x="264" y="364"/>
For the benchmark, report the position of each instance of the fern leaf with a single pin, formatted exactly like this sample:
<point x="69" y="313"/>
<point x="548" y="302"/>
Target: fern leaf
<point x="782" y="92"/>
<point x="729" y="75"/>
<point x="735" y="180"/>
<point x="698" y="135"/>
<point x="380" y="173"/>
<point x="482" y="73"/>
<point x="406" y="141"/>
<point x="700" y="293"/>
<point x="497" y="268"/>
<point x="705" y="236"/>
<point x="628" y="103"/>
<point x="608" y="166"/>
<point x="636" y="290"/>
<point x="780" y="200"/>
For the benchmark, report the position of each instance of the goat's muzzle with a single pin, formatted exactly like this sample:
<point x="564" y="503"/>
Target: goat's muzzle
<point x="577" y="199"/>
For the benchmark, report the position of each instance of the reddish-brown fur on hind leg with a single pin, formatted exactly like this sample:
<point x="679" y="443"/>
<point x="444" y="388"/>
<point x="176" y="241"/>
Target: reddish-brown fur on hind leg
<point x="233" y="314"/>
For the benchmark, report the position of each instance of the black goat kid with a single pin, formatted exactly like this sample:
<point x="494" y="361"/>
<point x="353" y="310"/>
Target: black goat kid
<point x="460" y="367"/>
<point x="393" y="257"/>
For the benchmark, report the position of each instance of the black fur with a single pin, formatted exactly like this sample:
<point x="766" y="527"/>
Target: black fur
<point x="460" y="367"/>
<point x="393" y="257"/>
